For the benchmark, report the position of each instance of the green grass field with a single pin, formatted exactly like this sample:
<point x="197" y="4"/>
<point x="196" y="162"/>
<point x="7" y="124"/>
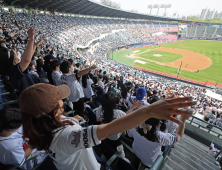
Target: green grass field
<point x="211" y="49"/>
<point x="165" y="58"/>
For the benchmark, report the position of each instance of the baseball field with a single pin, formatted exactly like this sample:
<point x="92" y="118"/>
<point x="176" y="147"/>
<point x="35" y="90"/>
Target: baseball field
<point x="199" y="60"/>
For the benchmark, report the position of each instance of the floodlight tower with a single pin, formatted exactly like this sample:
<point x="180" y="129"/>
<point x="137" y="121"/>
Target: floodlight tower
<point x="167" y="6"/>
<point x="150" y="7"/>
<point x="156" y="6"/>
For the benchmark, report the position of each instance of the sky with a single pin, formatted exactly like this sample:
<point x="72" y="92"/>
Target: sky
<point x="183" y="8"/>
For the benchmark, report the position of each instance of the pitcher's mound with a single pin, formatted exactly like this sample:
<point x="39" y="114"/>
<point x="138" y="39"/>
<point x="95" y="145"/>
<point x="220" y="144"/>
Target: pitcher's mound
<point x="157" y="55"/>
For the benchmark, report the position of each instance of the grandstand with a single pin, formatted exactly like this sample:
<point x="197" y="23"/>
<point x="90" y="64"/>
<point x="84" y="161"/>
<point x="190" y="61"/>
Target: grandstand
<point x="90" y="32"/>
<point x="203" y="31"/>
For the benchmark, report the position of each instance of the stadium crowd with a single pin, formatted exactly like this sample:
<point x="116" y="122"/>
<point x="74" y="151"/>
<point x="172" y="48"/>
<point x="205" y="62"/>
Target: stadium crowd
<point x="43" y="73"/>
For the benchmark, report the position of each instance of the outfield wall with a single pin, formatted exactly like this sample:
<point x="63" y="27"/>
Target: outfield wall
<point x="201" y="38"/>
<point x="138" y="45"/>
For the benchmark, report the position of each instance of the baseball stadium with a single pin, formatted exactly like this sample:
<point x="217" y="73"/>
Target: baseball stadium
<point x="87" y="85"/>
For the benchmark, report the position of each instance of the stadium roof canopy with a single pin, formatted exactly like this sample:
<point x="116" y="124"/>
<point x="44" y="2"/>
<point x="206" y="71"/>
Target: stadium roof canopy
<point x="88" y="7"/>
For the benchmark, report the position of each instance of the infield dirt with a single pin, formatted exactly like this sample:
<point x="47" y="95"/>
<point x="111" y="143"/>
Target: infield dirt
<point x="191" y="61"/>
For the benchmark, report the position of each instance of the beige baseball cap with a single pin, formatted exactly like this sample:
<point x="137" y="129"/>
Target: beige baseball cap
<point x="42" y="98"/>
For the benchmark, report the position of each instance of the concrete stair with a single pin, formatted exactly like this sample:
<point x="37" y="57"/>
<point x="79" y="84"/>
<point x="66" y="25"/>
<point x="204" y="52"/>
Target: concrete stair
<point x="189" y="154"/>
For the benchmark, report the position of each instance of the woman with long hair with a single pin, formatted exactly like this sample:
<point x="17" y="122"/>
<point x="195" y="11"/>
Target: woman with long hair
<point x="86" y="84"/>
<point x="109" y="112"/>
<point x="66" y="142"/>
<point x="148" y="140"/>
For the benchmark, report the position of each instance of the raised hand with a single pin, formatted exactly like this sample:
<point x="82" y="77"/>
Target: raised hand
<point x="136" y="105"/>
<point x="165" y="109"/>
<point x="30" y="33"/>
<point x="93" y="66"/>
<point x="40" y="41"/>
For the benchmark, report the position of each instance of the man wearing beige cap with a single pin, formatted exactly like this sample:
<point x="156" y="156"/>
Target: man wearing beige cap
<point x="66" y="142"/>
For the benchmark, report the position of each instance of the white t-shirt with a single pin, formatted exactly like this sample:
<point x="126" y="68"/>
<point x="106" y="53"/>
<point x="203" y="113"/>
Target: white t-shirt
<point x="208" y="109"/>
<point x="12" y="150"/>
<point x="132" y="99"/>
<point x="75" y="88"/>
<point x="148" y="151"/>
<point x="56" y="77"/>
<point x="88" y="92"/>
<point x="116" y="114"/>
<point x="71" y="148"/>
<point x="219" y="119"/>
<point x="209" y="115"/>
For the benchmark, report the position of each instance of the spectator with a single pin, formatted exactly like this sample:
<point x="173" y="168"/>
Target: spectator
<point x="19" y="76"/>
<point x="86" y="84"/>
<point x="124" y="92"/>
<point x="147" y="135"/>
<point x="100" y="83"/>
<point x="119" y="105"/>
<point x="98" y="90"/>
<point x="33" y="72"/>
<point x="140" y="96"/>
<point x="67" y="143"/>
<point x="77" y="66"/>
<point x="113" y="88"/>
<point x="47" y="68"/>
<point x="105" y="77"/>
<point x="107" y="113"/>
<point x="100" y="74"/>
<point x="56" y="74"/>
<point x="118" y="82"/>
<point x="70" y="79"/>
<point x="14" y="148"/>
<point x="71" y="61"/>
<point x="42" y="74"/>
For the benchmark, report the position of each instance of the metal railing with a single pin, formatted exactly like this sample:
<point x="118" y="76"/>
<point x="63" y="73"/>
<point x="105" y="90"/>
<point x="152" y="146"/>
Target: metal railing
<point x="203" y="124"/>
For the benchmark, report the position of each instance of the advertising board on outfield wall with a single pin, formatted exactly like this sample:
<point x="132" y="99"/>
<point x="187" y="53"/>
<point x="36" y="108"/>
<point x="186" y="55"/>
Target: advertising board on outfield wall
<point x="201" y="38"/>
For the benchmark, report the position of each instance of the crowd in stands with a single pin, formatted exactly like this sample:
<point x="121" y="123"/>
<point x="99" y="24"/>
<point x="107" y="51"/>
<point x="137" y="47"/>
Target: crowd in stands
<point x="127" y="100"/>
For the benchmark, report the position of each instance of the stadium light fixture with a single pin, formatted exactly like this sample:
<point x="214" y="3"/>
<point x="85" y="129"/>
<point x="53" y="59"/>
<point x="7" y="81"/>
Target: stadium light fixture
<point x="156" y="6"/>
<point x="163" y="6"/>
<point x="150" y="7"/>
<point x="167" y="6"/>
